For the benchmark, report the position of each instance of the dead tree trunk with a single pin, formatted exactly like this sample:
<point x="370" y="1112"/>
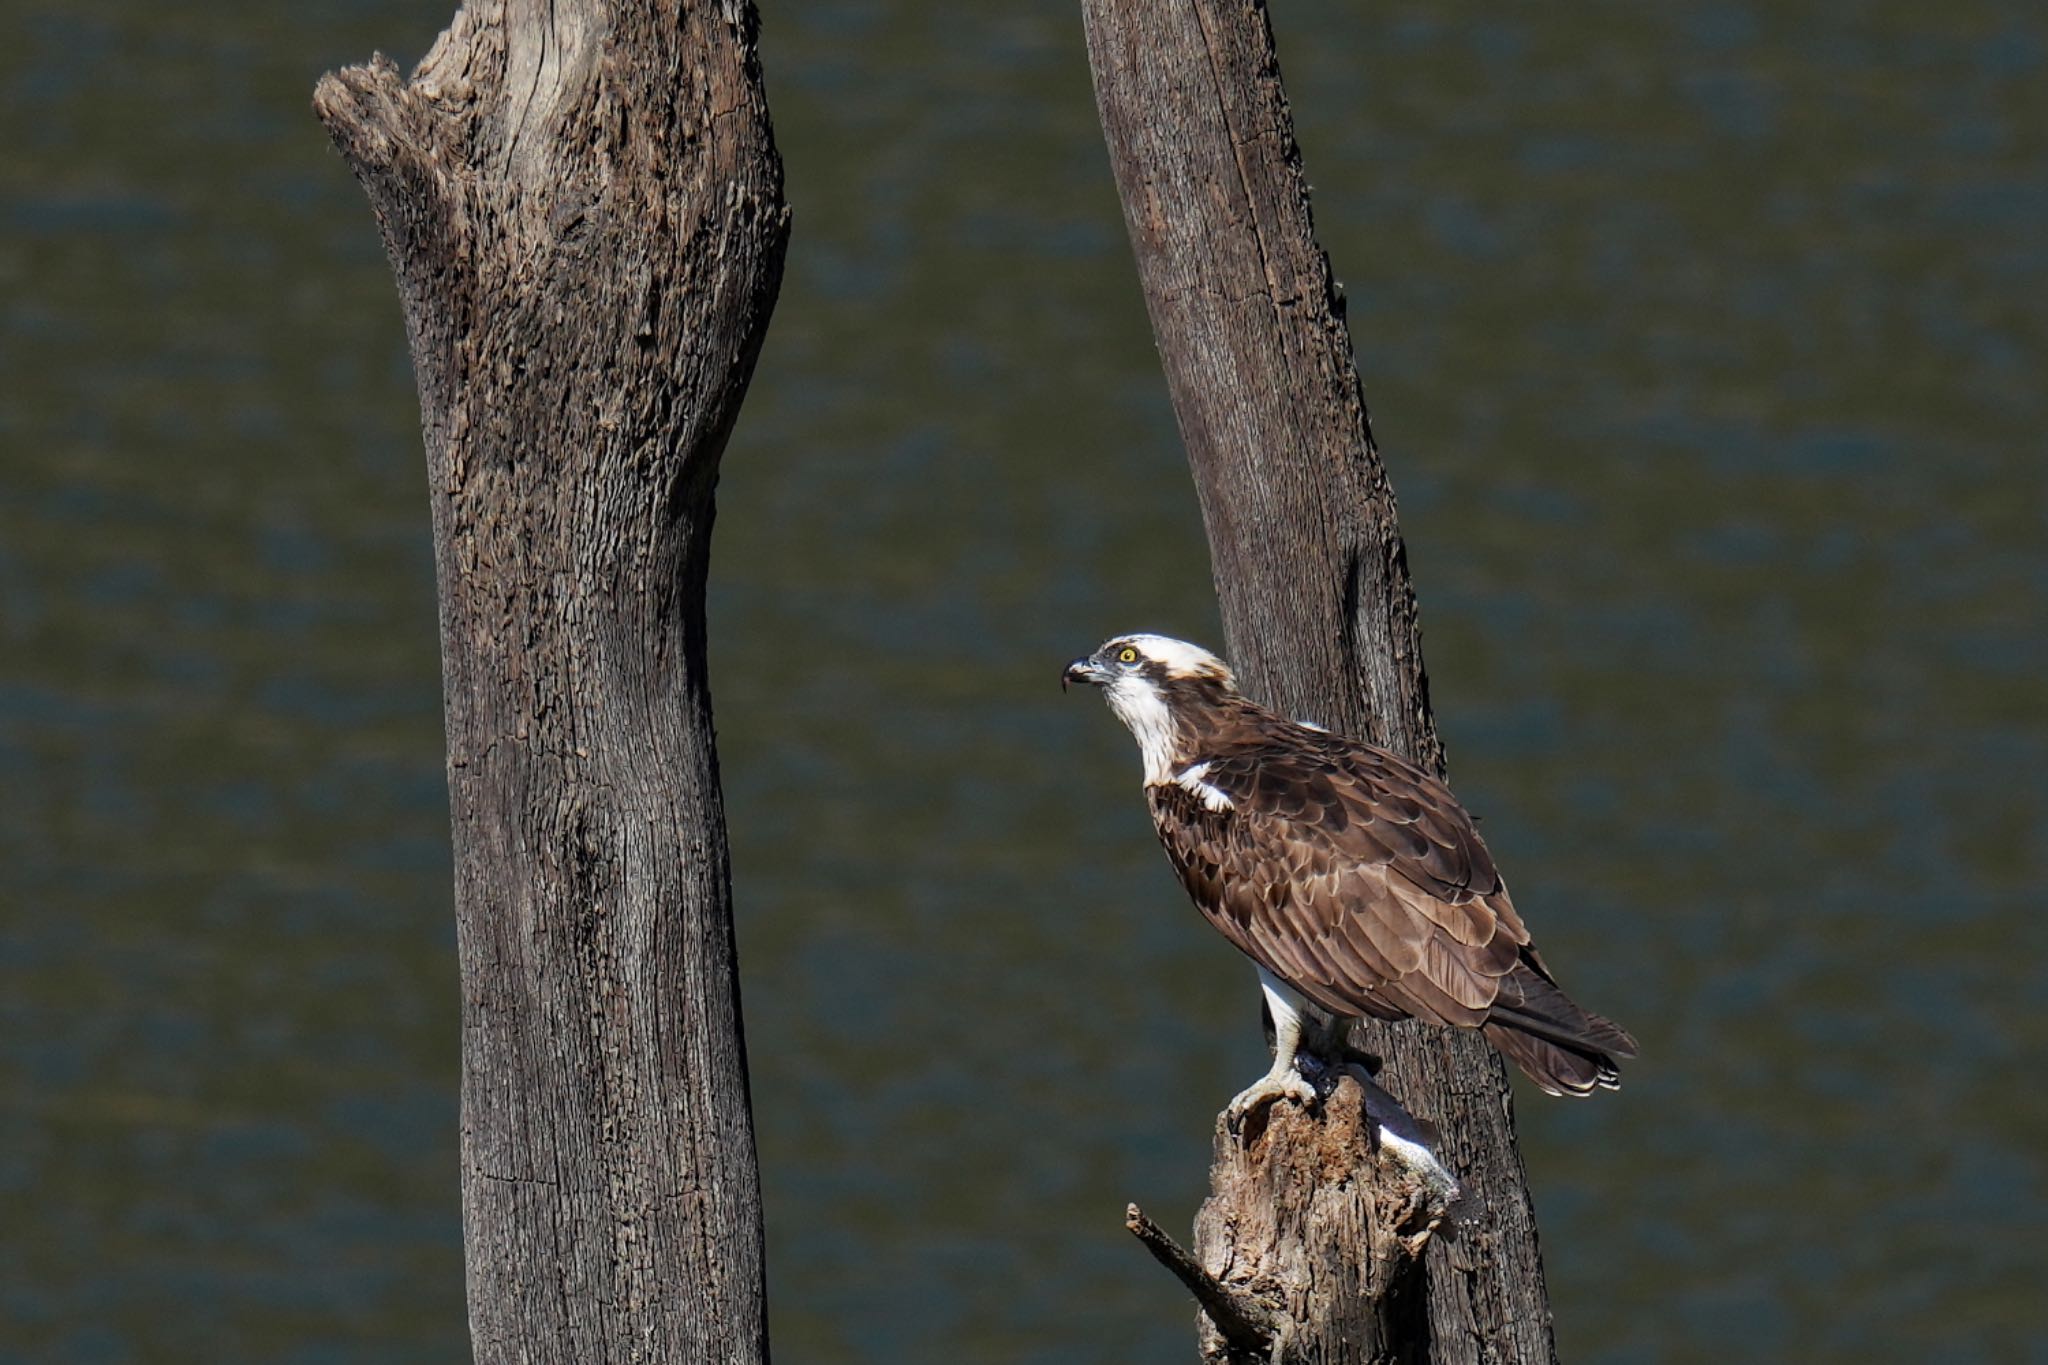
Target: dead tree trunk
<point x="583" y="207"/>
<point x="1321" y="621"/>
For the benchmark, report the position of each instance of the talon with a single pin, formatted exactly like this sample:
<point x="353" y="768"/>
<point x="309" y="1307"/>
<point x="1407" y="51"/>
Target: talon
<point x="1275" y="1085"/>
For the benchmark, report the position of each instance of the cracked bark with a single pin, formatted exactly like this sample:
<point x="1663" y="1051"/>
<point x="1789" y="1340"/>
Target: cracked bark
<point x="1321" y="623"/>
<point x="582" y="205"/>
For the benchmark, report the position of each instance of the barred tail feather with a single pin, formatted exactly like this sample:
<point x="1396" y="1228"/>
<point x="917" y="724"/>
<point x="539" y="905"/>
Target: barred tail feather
<point x="1560" y="1071"/>
<point x="1563" y="1048"/>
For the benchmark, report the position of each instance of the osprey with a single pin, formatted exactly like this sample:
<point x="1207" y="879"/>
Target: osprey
<point x="1353" y="879"/>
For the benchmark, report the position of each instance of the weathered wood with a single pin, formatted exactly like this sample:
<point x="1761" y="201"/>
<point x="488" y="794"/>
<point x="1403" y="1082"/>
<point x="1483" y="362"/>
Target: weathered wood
<point x="583" y="207"/>
<point x="1241" y="1318"/>
<point x="1310" y="1218"/>
<point x="1317" y="605"/>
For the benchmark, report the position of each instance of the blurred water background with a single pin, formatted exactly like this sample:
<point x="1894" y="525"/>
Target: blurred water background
<point x="1706" y="342"/>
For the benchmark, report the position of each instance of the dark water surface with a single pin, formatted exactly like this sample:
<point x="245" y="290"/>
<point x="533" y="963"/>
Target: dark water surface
<point x="1706" y="342"/>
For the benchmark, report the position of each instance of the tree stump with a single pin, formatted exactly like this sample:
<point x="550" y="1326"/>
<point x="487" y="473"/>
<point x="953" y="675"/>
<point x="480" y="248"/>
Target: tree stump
<point x="583" y="207"/>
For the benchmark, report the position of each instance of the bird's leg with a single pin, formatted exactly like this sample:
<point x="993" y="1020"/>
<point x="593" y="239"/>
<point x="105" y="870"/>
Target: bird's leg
<point x="1283" y="1081"/>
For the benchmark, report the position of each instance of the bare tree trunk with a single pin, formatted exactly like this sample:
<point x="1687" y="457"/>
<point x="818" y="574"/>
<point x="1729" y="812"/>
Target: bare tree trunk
<point x="583" y="207"/>
<point x="1322" y="624"/>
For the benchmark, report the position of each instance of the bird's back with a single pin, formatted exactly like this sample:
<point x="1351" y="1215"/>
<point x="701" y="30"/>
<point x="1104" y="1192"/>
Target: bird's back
<point x="1361" y="881"/>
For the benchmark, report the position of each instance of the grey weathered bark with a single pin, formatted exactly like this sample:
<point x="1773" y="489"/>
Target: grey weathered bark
<point x="582" y="203"/>
<point x="1321" y="623"/>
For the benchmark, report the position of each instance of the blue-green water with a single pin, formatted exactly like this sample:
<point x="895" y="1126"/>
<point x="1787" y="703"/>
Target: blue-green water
<point x="1706" y="342"/>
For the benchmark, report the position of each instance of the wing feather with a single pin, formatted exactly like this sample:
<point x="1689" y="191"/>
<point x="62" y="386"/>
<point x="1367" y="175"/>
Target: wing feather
<point x="1359" y="880"/>
<point x="1352" y="875"/>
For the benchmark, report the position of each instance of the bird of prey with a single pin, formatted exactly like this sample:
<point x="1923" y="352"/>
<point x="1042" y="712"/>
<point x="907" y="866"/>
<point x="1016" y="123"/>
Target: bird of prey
<point x="1353" y="878"/>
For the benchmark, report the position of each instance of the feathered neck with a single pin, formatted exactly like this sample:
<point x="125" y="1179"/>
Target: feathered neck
<point x="1178" y="721"/>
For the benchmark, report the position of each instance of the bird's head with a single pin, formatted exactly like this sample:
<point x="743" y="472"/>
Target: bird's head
<point x="1154" y="683"/>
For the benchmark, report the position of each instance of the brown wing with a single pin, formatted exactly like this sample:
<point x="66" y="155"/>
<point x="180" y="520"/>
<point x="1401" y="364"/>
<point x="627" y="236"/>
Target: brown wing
<point x="1352" y="875"/>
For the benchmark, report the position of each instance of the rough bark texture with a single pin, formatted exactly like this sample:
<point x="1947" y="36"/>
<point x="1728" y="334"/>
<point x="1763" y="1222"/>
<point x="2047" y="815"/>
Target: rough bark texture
<point x="1321" y="623"/>
<point x="583" y="207"/>
<point x="1324" y="1229"/>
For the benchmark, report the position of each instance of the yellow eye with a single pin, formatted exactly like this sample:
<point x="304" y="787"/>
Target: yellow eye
<point x="1127" y="655"/>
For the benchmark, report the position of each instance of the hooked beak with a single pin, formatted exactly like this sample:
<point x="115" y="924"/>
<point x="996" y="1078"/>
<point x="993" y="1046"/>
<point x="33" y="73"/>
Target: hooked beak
<point x="1084" y="671"/>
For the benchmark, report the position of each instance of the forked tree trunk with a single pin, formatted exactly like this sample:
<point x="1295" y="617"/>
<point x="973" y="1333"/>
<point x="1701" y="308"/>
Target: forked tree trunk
<point x="583" y="207"/>
<point x="1321" y="624"/>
